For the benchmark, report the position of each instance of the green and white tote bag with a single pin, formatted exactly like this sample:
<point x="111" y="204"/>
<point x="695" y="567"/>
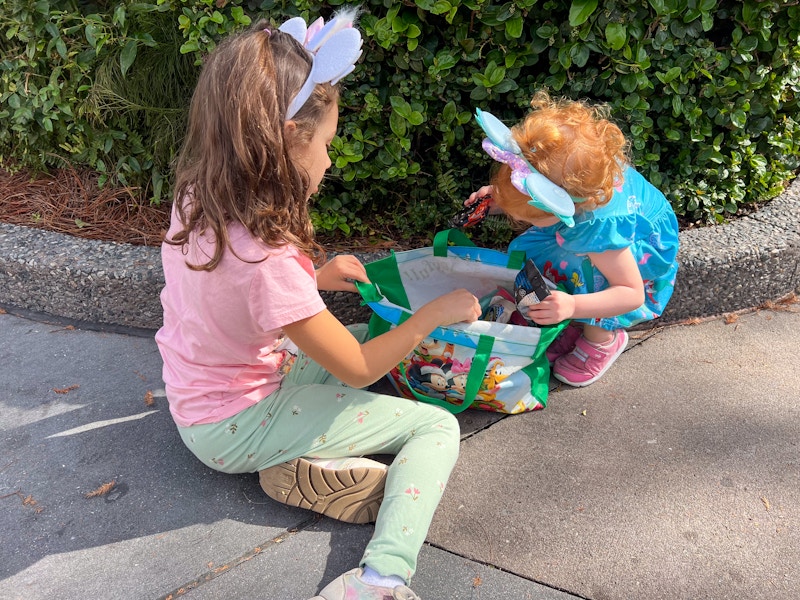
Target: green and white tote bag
<point x="486" y="365"/>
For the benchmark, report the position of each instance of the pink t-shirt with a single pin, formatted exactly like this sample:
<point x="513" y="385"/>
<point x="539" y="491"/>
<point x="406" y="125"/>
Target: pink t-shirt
<point x="221" y="341"/>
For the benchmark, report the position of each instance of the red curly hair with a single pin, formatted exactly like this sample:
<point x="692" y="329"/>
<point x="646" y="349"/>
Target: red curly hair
<point x="573" y="144"/>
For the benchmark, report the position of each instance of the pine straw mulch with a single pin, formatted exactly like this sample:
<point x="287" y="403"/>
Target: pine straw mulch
<point x="70" y="201"/>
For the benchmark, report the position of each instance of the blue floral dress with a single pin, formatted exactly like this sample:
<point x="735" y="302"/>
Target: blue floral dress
<point x="637" y="217"/>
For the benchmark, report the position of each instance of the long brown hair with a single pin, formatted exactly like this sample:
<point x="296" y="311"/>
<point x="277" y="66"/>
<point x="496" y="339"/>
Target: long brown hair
<point x="573" y="144"/>
<point x="235" y="164"/>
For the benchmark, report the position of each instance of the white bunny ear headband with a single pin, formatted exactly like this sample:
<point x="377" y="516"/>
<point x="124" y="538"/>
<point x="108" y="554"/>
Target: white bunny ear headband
<point x="334" y="47"/>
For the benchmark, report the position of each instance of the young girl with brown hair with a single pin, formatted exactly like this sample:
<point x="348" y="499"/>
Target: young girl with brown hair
<point x="596" y="226"/>
<point x="260" y="376"/>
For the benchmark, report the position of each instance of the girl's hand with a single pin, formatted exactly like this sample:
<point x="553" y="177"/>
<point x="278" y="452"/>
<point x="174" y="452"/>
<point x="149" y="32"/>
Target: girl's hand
<point x="454" y="307"/>
<point x="557" y="307"/>
<point x="337" y="274"/>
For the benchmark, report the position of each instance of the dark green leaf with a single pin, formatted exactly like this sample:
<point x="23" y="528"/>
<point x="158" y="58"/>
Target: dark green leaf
<point x="127" y="56"/>
<point x="90" y="31"/>
<point x="616" y="35"/>
<point x="397" y="124"/>
<point x="580" y="11"/>
<point x="514" y="27"/>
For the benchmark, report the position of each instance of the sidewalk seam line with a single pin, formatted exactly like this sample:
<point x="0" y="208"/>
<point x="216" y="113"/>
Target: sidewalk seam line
<point x="502" y="570"/>
<point x="212" y="574"/>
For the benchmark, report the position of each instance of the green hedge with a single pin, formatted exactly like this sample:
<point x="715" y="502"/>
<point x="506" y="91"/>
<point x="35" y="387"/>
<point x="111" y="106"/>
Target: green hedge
<point x="706" y="89"/>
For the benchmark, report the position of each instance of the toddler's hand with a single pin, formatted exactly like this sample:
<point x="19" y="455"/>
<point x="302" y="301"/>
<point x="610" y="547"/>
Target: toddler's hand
<point x="337" y="274"/>
<point x="486" y="190"/>
<point x="557" y="307"/>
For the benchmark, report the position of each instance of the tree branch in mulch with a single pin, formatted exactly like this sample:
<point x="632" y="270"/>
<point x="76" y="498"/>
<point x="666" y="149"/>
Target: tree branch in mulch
<point x="71" y="201"/>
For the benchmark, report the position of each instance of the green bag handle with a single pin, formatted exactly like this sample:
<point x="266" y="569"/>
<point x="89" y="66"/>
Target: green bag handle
<point x="477" y="370"/>
<point x="588" y="275"/>
<point x="385" y="271"/>
<point x="539" y="374"/>
<point x="516" y="259"/>
<point x="369" y="292"/>
<point x="442" y="239"/>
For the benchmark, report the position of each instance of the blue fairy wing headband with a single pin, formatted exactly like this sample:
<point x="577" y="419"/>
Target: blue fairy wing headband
<point x="545" y="195"/>
<point x="334" y="48"/>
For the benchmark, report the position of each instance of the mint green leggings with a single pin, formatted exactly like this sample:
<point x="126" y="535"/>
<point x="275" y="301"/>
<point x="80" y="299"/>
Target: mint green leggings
<point x="315" y="415"/>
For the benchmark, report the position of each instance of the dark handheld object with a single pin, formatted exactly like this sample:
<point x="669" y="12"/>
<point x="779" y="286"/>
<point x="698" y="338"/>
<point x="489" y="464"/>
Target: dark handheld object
<point x="472" y="214"/>
<point x="529" y="286"/>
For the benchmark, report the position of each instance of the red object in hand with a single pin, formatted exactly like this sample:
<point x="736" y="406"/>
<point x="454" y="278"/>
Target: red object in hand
<point x="472" y="214"/>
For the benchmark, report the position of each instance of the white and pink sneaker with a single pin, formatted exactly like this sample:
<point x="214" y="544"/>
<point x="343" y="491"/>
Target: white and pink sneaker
<point x="588" y="362"/>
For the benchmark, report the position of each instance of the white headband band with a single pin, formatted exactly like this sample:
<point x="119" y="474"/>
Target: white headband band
<point x="334" y="47"/>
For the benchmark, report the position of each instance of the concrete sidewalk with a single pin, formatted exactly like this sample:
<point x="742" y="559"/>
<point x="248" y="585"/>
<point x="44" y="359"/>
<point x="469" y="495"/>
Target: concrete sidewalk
<point x="675" y="476"/>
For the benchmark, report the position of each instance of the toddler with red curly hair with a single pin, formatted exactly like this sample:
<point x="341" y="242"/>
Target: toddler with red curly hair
<point x="597" y="227"/>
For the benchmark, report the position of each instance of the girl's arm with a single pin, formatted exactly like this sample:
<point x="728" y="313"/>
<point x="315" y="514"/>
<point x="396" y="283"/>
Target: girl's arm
<point x="329" y="343"/>
<point x="624" y="293"/>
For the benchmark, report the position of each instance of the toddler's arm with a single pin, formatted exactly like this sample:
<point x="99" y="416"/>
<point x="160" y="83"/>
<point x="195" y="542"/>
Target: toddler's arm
<point x="329" y="343"/>
<point x="624" y="293"/>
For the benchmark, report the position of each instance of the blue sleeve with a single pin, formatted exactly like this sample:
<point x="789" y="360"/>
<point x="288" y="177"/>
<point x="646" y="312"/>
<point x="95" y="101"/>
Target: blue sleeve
<point x="598" y="234"/>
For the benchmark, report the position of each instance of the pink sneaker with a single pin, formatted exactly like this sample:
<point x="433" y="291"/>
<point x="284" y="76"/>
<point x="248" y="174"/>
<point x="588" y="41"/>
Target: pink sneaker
<point x="564" y="343"/>
<point x="349" y="586"/>
<point x="587" y="362"/>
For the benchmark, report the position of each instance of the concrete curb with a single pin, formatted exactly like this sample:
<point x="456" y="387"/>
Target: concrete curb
<point x="722" y="269"/>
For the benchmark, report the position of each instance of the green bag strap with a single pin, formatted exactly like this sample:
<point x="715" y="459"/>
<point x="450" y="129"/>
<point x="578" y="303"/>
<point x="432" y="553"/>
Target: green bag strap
<point x="369" y="292"/>
<point x="539" y="373"/>
<point x="516" y="259"/>
<point x="377" y="326"/>
<point x="385" y="271"/>
<point x="477" y="371"/>
<point x="443" y="238"/>
<point x="588" y="275"/>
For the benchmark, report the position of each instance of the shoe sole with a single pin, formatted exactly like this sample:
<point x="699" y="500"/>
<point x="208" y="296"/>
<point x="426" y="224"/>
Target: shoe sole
<point x="617" y="354"/>
<point x="350" y="495"/>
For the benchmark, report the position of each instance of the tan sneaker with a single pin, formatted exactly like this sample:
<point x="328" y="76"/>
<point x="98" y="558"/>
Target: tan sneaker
<point x="347" y="489"/>
<point x="349" y="586"/>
